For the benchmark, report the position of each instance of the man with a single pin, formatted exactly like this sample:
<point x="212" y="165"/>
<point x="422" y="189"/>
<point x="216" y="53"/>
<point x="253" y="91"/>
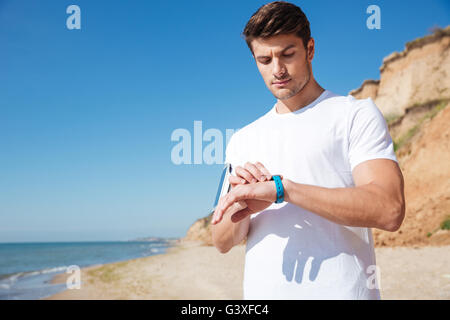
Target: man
<point x="339" y="176"/>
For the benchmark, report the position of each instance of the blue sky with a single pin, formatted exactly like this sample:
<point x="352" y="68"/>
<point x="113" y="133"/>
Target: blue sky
<point x="86" y="116"/>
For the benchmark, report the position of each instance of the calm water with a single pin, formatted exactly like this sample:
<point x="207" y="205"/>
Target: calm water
<point x="27" y="268"/>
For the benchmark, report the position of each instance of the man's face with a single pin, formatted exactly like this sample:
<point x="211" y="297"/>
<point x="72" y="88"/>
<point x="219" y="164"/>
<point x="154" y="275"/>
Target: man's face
<point x="283" y="63"/>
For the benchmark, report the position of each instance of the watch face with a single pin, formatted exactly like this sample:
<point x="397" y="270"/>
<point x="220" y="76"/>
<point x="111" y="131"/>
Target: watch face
<point x="224" y="184"/>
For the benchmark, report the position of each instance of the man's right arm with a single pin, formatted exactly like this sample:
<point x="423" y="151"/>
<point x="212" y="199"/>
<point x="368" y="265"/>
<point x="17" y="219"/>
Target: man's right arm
<point x="227" y="234"/>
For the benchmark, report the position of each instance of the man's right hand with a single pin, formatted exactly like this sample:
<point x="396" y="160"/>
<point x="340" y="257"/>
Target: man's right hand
<point x="250" y="173"/>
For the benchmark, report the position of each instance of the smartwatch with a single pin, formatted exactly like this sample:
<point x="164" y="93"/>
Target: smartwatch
<point x="280" y="189"/>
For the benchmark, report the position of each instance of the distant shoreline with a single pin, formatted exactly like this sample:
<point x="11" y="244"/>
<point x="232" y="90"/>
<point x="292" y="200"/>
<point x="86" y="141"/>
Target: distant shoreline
<point x="160" y="277"/>
<point x="28" y="268"/>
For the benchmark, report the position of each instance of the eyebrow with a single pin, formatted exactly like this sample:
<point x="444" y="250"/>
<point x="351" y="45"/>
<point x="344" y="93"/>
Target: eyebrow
<point x="288" y="47"/>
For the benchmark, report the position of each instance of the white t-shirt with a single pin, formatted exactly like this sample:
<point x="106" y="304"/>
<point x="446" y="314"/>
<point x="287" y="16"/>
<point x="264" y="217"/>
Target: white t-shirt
<point x="293" y="253"/>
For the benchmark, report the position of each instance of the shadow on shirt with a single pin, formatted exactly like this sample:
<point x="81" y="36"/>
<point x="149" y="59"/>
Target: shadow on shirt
<point x="309" y="235"/>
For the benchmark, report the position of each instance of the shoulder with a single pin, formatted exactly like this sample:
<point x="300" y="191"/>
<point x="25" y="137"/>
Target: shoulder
<point x="352" y="114"/>
<point x="349" y="101"/>
<point x="349" y="109"/>
<point x="363" y="110"/>
<point x="357" y="105"/>
<point x="337" y="106"/>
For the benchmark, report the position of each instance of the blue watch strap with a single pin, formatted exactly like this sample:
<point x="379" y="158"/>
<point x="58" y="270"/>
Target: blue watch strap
<point x="280" y="189"/>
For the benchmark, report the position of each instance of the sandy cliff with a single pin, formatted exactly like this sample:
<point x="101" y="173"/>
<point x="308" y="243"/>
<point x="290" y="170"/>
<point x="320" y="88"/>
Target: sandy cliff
<point x="416" y="75"/>
<point x="200" y="231"/>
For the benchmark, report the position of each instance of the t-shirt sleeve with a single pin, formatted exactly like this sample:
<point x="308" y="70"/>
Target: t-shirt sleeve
<point x="369" y="136"/>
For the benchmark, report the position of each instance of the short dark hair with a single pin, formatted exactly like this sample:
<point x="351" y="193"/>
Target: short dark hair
<point x="275" y="18"/>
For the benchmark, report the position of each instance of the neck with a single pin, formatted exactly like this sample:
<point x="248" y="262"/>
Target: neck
<point x="307" y="95"/>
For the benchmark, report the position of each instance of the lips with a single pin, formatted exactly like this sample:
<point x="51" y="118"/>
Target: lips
<point x="281" y="83"/>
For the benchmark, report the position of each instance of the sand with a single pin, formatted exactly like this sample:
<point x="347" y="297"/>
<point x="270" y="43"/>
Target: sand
<point x="414" y="273"/>
<point x="192" y="271"/>
<point x="189" y="271"/>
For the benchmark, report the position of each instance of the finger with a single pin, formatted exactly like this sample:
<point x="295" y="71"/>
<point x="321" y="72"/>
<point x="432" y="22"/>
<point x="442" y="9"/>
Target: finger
<point x="227" y="202"/>
<point x="263" y="169"/>
<point x="217" y="217"/>
<point x="241" y="214"/>
<point x="236" y="180"/>
<point x="237" y="194"/>
<point x="245" y="174"/>
<point x="255" y="171"/>
<point x="221" y="209"/>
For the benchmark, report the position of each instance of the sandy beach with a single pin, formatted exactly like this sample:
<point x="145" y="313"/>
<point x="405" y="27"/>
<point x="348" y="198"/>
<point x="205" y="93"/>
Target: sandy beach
<point x="192" y="271"/>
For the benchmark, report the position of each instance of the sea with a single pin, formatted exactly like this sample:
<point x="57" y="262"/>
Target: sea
<point x="26" y="269"/>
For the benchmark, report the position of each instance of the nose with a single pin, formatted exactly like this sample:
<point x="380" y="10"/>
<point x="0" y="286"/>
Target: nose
<point x="279" y="70"/>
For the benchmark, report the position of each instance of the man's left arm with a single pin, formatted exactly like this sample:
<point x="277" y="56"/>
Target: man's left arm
<point x="376" y="200"/>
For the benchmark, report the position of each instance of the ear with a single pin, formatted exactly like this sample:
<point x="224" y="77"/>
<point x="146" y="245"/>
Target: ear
<point x="310" y="49"/>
